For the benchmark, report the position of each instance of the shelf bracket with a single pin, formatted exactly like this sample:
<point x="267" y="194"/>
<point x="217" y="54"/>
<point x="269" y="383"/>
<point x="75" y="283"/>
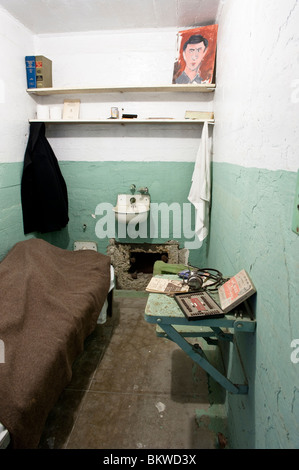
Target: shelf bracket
<point x="196" y="353"/>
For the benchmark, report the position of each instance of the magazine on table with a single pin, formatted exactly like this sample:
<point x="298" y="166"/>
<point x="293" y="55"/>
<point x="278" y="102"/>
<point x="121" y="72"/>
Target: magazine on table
<point x="166" y="286"/>
<point x="234" y="291"/>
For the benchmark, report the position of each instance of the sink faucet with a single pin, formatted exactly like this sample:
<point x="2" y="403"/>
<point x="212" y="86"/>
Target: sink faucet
<point x="143" y="190"/>
<point x="133" y="188"/>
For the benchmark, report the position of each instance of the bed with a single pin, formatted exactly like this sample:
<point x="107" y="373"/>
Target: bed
<point x="50" y="301"/>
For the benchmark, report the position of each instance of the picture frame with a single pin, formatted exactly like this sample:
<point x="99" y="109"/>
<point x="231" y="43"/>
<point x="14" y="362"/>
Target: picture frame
<point x="195" y="56"/>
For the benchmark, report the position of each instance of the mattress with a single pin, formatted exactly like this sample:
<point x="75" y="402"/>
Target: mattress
<point x="4" y="434"/>
<point x="45" y="319"/>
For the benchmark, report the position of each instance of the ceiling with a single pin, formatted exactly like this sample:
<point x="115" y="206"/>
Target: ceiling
<point x="67" y="16"/>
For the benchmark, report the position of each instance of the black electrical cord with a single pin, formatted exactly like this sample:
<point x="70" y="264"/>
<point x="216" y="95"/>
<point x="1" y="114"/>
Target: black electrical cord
<point x="208" y="274"/>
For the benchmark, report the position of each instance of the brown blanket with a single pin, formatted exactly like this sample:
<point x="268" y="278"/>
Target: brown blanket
<point x="50" y="299"/>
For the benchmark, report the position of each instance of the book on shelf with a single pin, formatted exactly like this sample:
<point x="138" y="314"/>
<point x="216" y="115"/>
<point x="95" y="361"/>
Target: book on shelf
<point x="234" y="291"/>
<point x="38" y="71"/>
<point x="43" y="67"/>
<point x="30" y="71"/>
<point x="199" y="115"/>
<point x="166" y="286"/>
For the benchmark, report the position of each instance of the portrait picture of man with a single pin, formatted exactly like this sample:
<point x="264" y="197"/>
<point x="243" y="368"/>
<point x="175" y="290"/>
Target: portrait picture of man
<point x="196" y="53"/>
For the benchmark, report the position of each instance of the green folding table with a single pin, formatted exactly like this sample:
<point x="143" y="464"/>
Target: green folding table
<point x="164" y="311"/>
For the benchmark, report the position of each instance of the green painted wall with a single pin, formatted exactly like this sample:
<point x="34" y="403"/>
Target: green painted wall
<point x="251" y="221"/>
<point x="93" y="183"/>
<point x="251" y="217"/>
<point x="11" y="225"/>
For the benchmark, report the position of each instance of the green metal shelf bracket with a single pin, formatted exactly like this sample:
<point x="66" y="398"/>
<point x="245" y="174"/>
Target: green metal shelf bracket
<point x="196" y="353"/>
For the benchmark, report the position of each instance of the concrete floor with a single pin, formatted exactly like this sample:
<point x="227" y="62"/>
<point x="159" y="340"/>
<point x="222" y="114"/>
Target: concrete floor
<point x="133" y="390"/>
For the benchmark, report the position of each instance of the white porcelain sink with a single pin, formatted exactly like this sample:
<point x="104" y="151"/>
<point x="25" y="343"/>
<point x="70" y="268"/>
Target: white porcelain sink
<point x="129" y="206"/>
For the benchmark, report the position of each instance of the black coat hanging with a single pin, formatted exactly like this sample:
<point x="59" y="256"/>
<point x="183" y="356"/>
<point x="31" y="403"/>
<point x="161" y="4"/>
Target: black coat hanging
<point x="43" y="189"/>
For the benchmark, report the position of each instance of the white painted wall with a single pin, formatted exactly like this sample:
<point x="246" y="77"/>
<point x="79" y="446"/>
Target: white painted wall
<point x="132" y="57"/>
<point x="15" y="105"/>
<point x="129" y="57"/>
<point x="122" y="57"/>
<point x="257" y="97"/>
<point x="256" y="100"/>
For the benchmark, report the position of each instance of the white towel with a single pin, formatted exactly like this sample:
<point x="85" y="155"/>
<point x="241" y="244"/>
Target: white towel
<point x="200" y="190"/>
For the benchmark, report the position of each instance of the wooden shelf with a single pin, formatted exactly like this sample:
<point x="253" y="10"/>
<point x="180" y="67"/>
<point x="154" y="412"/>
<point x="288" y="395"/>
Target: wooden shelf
<point x="122" y="121"/>
<point x="125" y="89"/>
